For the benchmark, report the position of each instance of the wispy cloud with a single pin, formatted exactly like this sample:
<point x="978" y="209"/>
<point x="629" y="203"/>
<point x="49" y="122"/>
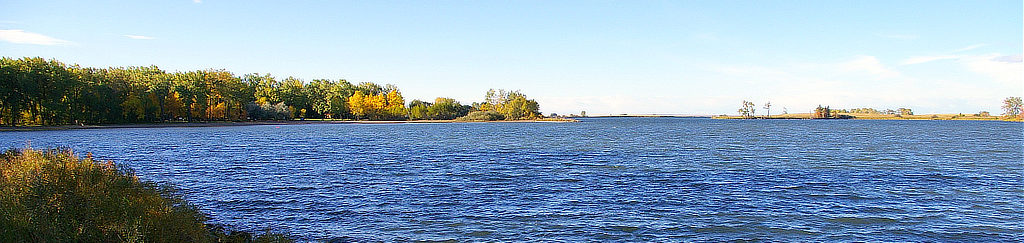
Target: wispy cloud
<point x="1009" y="59"/>
<point x="197" y="1"/>
<point x="970" y="47"/>
<point x="139" y="37"/>
<point x="22" y="37"/>
<point x="930" y="58"/>
<point x="924" y="59"/>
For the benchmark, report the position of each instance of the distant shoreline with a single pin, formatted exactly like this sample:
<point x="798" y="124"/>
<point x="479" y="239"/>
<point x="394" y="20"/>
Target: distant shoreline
<point x="254" y="123"/>
<point x="859" y="116"/>
<point x="799" y="116"/>
<point x="652" y="115"/>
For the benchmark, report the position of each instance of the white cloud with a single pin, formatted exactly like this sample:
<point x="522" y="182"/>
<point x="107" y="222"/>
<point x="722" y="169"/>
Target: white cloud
<point x="924" y="59"/>
<point x="197" y="1"/>
<point x="22" y="37"/>
<point x="139" y="37"/>
<point x="991" y="65"/>
<point x="869" y="64"/>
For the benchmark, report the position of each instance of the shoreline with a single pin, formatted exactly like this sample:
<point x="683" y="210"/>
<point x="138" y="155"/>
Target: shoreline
<point x="545" y="120"/>
<point x="854" y="116"/>
<point x="255" y="123"/>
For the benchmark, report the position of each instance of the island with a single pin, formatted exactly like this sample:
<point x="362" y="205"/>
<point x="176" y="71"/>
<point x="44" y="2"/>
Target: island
<point x="1013" y="109"/>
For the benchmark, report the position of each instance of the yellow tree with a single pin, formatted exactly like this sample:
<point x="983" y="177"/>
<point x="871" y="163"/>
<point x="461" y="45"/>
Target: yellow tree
<point x="173" y="105"/>
<point x="355" y="104"/>
<point x="373" y="106"/>
<point x="395" y="105"/>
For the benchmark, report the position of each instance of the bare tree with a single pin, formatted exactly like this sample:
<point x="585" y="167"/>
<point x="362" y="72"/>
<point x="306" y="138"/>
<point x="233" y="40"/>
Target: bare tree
<point x="768" y="107"/>
<point x="1012" y="106"/>
<point x="747" y="110"/>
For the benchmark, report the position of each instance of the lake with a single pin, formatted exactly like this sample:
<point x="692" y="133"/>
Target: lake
<point x="602" y="179"/>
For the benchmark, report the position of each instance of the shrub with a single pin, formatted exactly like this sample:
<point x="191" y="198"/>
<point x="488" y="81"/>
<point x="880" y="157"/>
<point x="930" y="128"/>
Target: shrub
<point x="482" y="116"/>
<point x="268" y="111"/>
<point x="54" y="196"/>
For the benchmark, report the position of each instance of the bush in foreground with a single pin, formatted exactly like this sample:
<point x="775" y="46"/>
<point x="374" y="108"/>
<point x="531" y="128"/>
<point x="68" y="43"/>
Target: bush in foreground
<point x="482" y="116"/>
<point x="55" y="196"/>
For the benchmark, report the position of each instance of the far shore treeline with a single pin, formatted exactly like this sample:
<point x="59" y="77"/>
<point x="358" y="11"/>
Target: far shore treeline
<point x="37" y="91"/>
<point x="1013" y="110"/>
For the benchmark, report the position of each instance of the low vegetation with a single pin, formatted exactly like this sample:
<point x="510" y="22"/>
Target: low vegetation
<point x="55" y="196"/>
<point x="482" y="116"/>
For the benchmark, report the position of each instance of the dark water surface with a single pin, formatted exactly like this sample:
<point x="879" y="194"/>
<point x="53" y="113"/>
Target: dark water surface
<point x="607" y="179"/>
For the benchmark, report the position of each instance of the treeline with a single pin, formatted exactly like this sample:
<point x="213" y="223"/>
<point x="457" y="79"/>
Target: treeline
<point x="898" y="111"/>
<point x="828" y="113"/>
<point x="37" y="91"/>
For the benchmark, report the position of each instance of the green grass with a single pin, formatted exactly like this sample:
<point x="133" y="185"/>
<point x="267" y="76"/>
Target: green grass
<point x="55" y="196"/>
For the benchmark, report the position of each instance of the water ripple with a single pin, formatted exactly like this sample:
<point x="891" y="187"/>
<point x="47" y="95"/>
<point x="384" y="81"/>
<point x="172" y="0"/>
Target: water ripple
<point x="609" y="179"/>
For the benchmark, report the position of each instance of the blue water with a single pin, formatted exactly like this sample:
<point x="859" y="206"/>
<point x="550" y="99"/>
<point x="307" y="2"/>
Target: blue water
<point x="603" y="179"/>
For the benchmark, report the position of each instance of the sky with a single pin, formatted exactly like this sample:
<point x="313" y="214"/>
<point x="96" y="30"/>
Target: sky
<point x="603" y="57"/>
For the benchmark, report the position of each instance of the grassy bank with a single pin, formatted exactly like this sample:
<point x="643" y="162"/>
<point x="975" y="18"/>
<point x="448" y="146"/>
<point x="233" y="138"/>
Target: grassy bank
<point x="55" y="196"/>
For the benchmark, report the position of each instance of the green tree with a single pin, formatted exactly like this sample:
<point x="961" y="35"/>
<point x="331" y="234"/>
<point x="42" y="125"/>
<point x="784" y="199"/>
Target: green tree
<point x="294" y="96"/>
<point x="37" y="91"/>
<point x="512" y="105"/>
<point x="446" y="109"/>
<point x="418" y="110"/>
<point x="320" y="94"/>
<point x="265" y="88"/>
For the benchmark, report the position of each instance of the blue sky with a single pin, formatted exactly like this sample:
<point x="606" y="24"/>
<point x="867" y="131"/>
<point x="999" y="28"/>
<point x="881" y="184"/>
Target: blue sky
<point x="605" y="57"/>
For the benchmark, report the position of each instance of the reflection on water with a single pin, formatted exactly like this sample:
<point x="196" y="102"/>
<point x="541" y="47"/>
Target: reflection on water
<point x="614" y="179"/>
